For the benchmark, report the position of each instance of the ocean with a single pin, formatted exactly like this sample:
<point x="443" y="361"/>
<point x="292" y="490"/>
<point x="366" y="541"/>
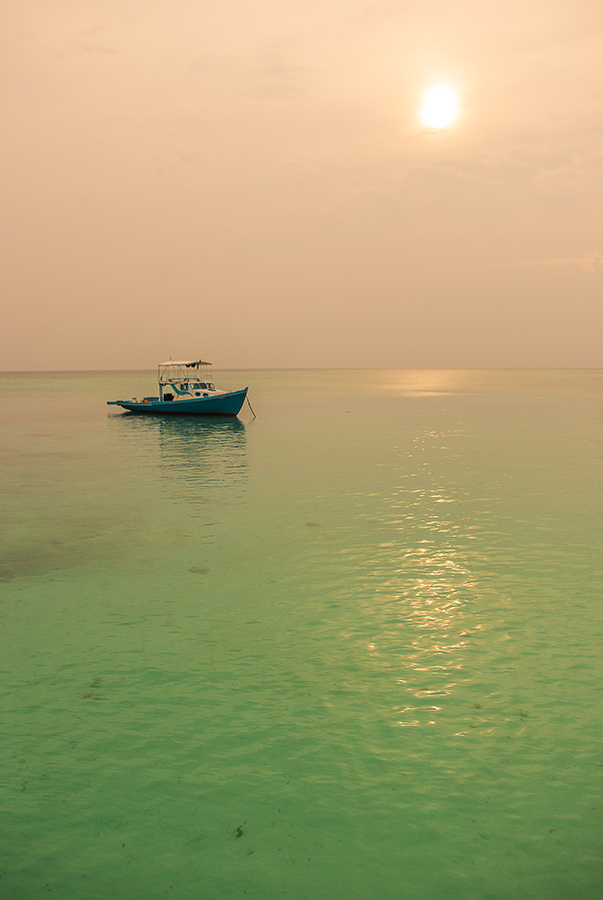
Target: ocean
<point x="348" y="649"/>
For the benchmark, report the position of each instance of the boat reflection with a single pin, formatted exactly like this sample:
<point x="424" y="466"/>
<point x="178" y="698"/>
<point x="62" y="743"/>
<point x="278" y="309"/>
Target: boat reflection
<point x="198" y="459"/>
<point x="199" y="456"/>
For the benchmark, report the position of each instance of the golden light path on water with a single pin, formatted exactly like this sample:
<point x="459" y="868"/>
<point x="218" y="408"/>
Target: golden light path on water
<point x="408" y="554"/>
<point x="423" y="590"/>
<point x="427" y="582"/>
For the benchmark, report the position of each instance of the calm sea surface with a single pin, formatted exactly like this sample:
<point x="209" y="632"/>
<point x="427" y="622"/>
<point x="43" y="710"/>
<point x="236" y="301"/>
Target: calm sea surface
<point x="351" y="649"/>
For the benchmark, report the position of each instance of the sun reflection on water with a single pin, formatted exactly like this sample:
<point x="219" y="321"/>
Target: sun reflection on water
<point x="421" y="587"/>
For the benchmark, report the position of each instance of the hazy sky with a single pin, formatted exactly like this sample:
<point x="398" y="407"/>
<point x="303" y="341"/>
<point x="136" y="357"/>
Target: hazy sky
<point x="251" y="182"/>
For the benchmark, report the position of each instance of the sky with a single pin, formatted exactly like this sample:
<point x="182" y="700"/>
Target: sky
<point x="251" y="183"/>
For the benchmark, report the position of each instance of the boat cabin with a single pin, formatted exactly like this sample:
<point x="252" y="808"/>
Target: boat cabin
<point x="176" y="384"/>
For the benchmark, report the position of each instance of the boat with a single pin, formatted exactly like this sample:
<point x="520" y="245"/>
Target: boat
<point x="185" y="391"/>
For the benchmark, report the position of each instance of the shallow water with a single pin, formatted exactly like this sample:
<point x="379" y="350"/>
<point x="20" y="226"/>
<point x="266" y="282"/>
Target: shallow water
<point x="349" y="649"/>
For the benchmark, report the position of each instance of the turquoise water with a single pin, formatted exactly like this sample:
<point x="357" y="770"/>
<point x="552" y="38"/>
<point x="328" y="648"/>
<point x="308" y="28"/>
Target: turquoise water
<point x="350" y="649"/>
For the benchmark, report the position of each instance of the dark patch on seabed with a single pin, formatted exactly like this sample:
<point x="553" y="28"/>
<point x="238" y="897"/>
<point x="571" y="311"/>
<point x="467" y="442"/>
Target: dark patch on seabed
<point x="81" y="539"/>
<point x="38" y="558"/>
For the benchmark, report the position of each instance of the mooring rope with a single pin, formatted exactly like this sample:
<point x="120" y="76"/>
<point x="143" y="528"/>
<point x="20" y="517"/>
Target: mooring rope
<point x="251" y="408"/>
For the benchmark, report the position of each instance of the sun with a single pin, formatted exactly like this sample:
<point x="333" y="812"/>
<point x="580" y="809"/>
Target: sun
<point x="440" y="106"/>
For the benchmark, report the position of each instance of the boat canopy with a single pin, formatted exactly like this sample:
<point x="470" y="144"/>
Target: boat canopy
<point x="172" y="371"/>
<point x="188" y="363"/>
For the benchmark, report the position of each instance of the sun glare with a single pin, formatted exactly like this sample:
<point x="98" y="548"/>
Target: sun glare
<point x="440" y="106"/>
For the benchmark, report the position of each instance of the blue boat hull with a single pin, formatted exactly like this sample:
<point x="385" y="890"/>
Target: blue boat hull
<point x="218" y="405"/>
